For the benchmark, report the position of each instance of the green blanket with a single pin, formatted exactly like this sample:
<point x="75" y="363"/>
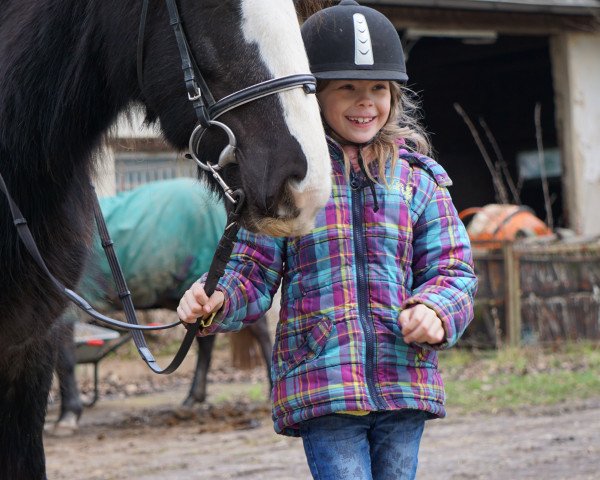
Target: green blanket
<point x="165" y="235"/>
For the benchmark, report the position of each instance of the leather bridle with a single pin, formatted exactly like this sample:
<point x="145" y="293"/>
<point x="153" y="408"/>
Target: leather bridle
<point x="206" y="108"/>
<point x="207" y="111"/>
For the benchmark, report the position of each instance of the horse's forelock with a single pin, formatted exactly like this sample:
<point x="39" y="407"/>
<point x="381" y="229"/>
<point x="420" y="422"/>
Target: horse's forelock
<point x="270" y="25"/>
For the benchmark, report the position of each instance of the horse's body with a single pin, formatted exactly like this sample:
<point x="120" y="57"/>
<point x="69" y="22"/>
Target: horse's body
<point x="67" y="69"/>
<point x="157" y="230"/>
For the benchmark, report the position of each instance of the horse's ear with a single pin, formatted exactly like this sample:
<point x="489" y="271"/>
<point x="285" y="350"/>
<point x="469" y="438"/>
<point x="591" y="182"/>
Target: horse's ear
<point x="306" y="8"/>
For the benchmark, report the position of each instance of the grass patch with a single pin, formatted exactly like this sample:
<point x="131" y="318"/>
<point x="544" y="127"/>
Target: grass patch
<point x="232" y="393"/>
<point x="493" y="380"/>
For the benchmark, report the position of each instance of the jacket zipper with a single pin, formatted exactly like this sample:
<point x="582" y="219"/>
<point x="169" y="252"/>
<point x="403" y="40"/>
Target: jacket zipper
<point x="362" y="288"/>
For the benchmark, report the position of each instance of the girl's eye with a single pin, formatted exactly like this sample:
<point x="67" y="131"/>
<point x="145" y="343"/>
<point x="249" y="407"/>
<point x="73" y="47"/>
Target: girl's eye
<point x="380" y="86"/>
<point x="347" y="86"/>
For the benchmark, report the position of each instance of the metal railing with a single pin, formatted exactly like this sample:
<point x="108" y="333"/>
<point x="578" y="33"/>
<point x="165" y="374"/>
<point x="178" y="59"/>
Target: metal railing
<point x="135" y="169"/>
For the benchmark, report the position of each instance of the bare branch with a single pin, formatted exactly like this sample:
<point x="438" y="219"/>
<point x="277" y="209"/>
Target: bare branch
<point x="501" y="166"/>
<point x="543" y="175"/>
<point x="501" y="195"/>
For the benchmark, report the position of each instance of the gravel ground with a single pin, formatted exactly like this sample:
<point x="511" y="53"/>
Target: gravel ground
<point x="137" y="431"/>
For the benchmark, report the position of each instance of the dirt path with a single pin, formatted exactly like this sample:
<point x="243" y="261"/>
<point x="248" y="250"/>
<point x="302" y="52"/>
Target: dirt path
<point x="144" y="437"/>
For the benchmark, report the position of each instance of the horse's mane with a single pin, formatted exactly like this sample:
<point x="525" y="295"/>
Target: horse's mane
<point x="50" y="67"/>
<point x="306" y="8"/>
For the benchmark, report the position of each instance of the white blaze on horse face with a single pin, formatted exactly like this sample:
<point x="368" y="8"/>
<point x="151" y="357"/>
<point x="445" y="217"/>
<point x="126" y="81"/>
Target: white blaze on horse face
<point x="273" y="26"/>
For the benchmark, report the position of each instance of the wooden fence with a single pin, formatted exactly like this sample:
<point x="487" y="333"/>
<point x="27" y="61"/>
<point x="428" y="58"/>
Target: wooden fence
<point x="536" y="293"/>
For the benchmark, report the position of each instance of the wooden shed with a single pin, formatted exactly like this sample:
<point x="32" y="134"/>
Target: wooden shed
<point x="498" y="60"/>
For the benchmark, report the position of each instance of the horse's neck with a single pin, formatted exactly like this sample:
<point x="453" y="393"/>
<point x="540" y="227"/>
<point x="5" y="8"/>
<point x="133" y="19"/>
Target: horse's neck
<point x="55" y="100"/>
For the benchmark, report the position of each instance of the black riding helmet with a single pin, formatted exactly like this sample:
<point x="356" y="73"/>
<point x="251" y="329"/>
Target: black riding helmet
<point x="352" y="42"/>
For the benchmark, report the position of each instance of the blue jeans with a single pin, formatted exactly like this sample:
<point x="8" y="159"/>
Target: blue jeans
<point x="377" y="446"/>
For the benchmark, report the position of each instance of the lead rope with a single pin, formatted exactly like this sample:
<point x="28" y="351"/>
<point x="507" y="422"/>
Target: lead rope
<point x="28" y="241"/>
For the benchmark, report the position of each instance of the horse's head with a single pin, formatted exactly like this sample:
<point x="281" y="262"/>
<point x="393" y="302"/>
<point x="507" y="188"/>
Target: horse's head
<point x="282" y="160"/>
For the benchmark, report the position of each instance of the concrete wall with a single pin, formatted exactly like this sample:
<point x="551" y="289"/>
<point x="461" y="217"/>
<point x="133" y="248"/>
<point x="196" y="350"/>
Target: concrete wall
<point x="576" y="66"/>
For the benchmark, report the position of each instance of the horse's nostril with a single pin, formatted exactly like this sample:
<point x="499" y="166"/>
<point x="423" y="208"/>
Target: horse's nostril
<point x="287" y="210"/>
<point x="278" y="206"/>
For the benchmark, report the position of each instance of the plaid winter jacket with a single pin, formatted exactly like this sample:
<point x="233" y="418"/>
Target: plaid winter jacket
<point x="338" y="343"/>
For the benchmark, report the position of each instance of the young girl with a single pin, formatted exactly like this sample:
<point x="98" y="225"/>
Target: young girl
<point x="383" y="281"/>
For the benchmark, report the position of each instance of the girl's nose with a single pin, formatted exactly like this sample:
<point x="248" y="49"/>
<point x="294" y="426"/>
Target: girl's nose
<point x="364" y="98"/>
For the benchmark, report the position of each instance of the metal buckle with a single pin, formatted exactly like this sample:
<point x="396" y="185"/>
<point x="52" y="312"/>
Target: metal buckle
<point x="207" y="322"/>
<point x="197" y="95"/>
<point x="226" y="189"/>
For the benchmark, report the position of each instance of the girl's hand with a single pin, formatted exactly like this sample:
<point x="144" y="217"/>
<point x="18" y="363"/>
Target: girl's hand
<point x="195" y="303"/>
<point x="420" y="324"/>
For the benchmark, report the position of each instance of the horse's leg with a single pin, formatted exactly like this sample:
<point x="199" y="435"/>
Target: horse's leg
<point x="25" y="380"/>
<point x="70" y="401"/>
<point x="260" y="331"/>
<point x="197" y="392"/>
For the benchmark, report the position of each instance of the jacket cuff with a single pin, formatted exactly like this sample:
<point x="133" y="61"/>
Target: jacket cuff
<point x="442" y="314"/>
<point x="217" y="324"/>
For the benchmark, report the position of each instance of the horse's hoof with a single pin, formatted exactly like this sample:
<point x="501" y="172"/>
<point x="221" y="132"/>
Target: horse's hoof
<point x="66" y="426"/>
<point x="184" y="412"/>
<point x="188" y="408"/>
<point x="191" y="401"/>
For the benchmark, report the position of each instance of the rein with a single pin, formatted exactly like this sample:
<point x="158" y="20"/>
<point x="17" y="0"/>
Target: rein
<point x="216" y="270"/>
<point x="207" y="111"/>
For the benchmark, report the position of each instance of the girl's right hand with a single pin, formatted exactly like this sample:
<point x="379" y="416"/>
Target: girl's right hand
<point x="196" y="304"/>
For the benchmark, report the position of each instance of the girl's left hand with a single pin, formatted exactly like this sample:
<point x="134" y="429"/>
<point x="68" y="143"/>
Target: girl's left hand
<point x="420" y="324"/>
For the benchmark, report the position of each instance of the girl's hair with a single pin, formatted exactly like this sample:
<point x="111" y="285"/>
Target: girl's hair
<point x="403" y="129"/>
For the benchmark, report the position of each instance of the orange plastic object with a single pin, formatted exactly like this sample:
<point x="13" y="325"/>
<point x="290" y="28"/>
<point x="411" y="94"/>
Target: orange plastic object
<point x="95" y="342"/>
<point x="495" y="222"/>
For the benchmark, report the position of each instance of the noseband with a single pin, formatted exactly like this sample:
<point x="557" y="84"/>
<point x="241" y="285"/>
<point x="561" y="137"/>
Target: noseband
<point x="206" y="108"/>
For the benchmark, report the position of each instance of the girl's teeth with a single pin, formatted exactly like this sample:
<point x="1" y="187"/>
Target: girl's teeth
<point x="361" y="119"/>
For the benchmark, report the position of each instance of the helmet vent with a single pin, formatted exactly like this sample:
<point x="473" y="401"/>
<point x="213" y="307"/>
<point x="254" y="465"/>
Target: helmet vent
<point x="363" y="49"/>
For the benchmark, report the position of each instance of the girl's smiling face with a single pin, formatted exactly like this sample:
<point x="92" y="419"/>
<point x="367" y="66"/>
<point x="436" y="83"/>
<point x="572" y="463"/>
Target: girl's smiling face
<point x="356" y="109"/>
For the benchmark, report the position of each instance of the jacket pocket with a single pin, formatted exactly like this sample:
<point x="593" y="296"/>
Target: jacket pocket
<point x="309" y="348"/>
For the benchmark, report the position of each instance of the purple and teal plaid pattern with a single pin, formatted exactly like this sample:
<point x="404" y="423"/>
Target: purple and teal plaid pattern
<point x="416" y="251"/>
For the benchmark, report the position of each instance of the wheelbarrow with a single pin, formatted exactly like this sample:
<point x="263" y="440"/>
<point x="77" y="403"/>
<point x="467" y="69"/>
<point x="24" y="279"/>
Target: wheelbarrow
<point x="94" y="343"/>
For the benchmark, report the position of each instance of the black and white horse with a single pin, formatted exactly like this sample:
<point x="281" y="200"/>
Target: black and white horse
<point x="67" y="69"/>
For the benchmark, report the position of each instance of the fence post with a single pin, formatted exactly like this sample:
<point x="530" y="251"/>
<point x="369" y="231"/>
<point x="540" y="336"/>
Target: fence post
<point x="512" y="294"/>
